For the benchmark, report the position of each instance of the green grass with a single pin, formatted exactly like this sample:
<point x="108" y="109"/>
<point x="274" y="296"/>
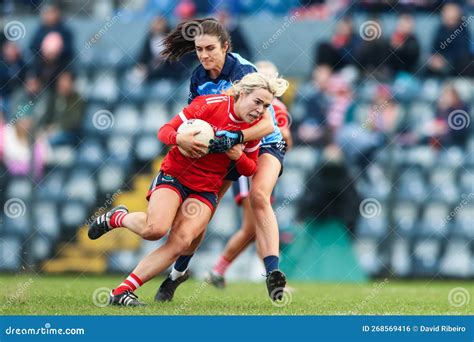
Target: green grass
<point x="72" y="295"/>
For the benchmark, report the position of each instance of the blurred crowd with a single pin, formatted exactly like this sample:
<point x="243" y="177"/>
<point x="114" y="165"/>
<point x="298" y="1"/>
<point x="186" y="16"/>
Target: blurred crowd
<point x="41" y="107"/>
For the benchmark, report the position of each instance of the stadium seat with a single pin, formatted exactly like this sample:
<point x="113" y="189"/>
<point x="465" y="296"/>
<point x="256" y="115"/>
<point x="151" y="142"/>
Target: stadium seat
<point x="466" y="181"/>
<point x="426" y="256"/>
<point x="147" y="147"/>
<point x="442" y="186"/>
<point x="162" y="90"/>
<point x="410" y="185"/>
<point x="155" y="115"/>
<point x="110" y="178"/>
<point x="45" y="216"/>
<point x="10" y="249"/>
<point x="372" y="227"/>
<point x="73" y="214"/>
<point x="456" y="260"/>
<point x="52" y="187"/>
<point x="121" y="261"/>
<point x="405" y="215"/>
<point x="81" y="186"/>
<point x="366" y="250"/>
<point x="104" y="87"/>
<point x="91" y="154"/>
<point x="302" y="157"/>
<point x="430" y="90"/>
<point x="434" y="221"/>
<point x="18" y="187"/>
<point x="42" y="247"/>
<point x="119" y="150"/>
<point x="400" y="258"/>
<point x="127" y="120"/>
<point x="464" y="218"/>
<point x="18" y="226"/>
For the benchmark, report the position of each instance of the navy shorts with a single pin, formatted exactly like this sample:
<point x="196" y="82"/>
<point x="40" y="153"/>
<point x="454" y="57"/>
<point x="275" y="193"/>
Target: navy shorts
<point x="277" y="150"/>
<point x="164" y="180"/>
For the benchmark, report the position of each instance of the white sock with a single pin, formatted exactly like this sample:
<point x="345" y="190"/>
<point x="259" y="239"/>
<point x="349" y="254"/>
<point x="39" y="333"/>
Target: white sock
<point x="175" y="274"/>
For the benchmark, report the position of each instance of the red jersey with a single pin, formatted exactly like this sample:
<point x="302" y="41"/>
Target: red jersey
<point x="206" y="174"/>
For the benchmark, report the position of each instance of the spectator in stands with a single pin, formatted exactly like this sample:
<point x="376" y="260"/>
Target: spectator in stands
<point x="373" y="52"/>
<point x="151" y="65"/>
<point x="30" y="100"/>
<point x="404" y="46"/>
<point x="449" y="127"/>
<point x="385" y="123"/>
<point x="340" y="51"/>
<point x="451" y="44"/>
<point x="311" y="130"/>
<point x="12" y="70"/>
<point x="239" y="43"/>
<point x="64" y="114"/>
<point x="15" y="148"/>
<point x="52" y="45"/>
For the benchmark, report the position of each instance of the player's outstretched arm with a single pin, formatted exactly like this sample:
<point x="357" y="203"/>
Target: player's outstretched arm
<point x="260" y="129"/>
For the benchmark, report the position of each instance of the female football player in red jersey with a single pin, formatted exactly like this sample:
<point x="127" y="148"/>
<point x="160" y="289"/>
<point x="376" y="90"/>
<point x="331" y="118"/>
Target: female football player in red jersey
<point x="183" y="196"/>
<point x="219" y="68"/>
<point x="246" y="234"/>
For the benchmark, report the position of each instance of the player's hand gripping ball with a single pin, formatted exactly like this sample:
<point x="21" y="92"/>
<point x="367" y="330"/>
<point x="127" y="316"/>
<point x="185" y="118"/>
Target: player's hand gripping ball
<point x="204" y="135"/>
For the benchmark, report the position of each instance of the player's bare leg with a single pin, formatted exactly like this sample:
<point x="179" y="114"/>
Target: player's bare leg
<point x="266" y="224"/>
<point x="152" y="225"/>
<point x="185" y="230"/>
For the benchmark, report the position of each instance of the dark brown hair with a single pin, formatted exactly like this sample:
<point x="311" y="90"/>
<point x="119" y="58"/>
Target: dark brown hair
<point x="180" y="41"/>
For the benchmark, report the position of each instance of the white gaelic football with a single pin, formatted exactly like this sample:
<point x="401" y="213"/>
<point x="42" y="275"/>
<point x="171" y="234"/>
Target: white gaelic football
<point x="206" y="132"/>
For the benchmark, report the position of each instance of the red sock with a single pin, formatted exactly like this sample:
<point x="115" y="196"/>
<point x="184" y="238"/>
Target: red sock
<point x="117" y="219"/>
<point x="131" y="283"/>
<point x="221" y="266"/>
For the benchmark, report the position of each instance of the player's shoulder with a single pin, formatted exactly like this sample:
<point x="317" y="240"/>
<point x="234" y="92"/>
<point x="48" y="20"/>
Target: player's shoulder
<point x="242" y="67"/>
<point x="212" y="101"/>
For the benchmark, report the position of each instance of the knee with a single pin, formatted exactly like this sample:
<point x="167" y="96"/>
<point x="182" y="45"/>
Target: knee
<point x="180" y="243"/>
<point x="259" y="199"/>
<point x="154" y="231"/>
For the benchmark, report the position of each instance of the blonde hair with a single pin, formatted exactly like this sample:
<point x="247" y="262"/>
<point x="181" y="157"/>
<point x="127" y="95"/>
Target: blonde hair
<point x="250" y="82"/>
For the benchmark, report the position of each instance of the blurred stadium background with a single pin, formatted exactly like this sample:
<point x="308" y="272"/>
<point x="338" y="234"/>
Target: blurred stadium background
<point x="379" y="182"/>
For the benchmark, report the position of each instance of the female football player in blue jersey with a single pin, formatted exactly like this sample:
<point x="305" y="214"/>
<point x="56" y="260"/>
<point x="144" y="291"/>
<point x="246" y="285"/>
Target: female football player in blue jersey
<point x="219" y="68"/>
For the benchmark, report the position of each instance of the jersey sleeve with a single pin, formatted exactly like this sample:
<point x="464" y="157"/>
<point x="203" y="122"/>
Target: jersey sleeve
<point x="195" y="110"/>
<point x="247" y="164"/>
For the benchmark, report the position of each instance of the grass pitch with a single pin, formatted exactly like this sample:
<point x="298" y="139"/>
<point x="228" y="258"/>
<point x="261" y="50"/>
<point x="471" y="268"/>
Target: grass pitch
<point x="84" y="295"/>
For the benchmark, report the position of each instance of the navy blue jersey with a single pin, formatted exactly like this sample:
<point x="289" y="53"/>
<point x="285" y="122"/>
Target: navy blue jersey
<point x="235" y="67"/>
